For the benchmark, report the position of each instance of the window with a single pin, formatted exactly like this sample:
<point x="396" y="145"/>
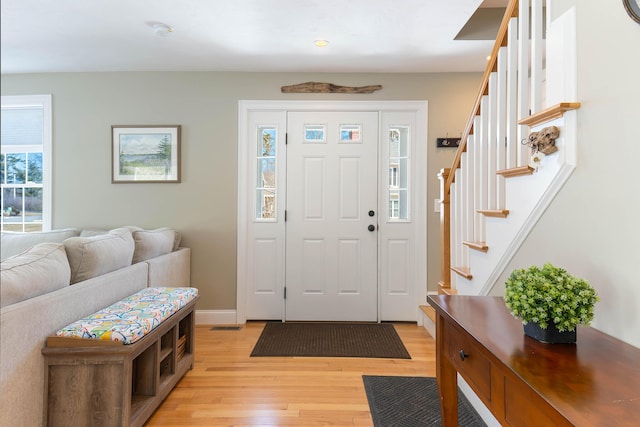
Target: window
<point x="398" y="191"/>
<point x="393" y="176"/>
<point x="315" y="133"/>
<point x="394" y="208"/>
<point x="25" y="163"/>
<point x="266" y="173"/>
<point x="350" y="133"/>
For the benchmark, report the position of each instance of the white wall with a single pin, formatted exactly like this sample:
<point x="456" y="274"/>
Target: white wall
<point x="203" y="206"/>
<point x="592" y="228"/>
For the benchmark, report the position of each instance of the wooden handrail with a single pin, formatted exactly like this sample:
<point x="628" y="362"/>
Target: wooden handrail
<point x="501" y="40"/>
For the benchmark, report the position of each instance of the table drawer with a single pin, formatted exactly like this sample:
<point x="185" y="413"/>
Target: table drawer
<point x="469" y="361"/>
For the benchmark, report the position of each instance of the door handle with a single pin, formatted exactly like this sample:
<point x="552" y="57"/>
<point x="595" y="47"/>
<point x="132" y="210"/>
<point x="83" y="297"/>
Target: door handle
<point x="371" y="227"/>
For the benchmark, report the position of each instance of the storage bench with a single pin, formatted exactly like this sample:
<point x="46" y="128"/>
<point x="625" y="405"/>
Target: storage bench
<point x="115" y="367"/>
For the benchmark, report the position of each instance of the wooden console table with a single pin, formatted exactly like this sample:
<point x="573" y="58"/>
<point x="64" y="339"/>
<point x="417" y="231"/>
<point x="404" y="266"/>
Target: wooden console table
<point x="523" y="382"/>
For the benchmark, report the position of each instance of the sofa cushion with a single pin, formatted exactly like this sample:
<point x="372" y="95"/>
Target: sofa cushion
<point x="96" y="255"/>
<point x="153" y="243"/>
<point x="41" y="269"/>
<point x="90" y="232"/>
<point x="14" y="243"/>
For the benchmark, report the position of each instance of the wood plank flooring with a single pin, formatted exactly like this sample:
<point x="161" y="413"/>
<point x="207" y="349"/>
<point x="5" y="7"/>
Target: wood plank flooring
<point x="228" y="388"/>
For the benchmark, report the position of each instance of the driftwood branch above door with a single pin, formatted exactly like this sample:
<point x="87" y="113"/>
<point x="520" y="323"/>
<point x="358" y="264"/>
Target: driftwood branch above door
<point x="316" y="87"/>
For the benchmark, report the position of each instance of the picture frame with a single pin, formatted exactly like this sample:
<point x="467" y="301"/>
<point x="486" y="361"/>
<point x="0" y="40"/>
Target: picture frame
<point x="145" y="154"/>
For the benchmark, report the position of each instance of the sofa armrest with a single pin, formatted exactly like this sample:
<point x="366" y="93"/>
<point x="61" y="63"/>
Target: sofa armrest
<point x="172" y="269"/>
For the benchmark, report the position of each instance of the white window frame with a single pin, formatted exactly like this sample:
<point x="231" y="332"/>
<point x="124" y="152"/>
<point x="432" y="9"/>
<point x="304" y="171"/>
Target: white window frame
<point x="43" y="101"/>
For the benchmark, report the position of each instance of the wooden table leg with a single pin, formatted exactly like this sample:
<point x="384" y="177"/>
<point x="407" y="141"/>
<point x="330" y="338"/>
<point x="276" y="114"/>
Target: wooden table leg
<point x="447" y="379"/>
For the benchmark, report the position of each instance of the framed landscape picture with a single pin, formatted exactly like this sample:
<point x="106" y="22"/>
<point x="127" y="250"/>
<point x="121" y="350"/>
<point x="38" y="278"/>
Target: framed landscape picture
<point x="143" y="154"/>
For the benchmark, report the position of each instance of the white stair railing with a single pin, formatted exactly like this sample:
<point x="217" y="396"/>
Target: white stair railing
<point x="474" y="188"/>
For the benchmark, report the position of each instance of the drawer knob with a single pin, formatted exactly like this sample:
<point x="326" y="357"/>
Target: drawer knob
<point x="463" y="355"/>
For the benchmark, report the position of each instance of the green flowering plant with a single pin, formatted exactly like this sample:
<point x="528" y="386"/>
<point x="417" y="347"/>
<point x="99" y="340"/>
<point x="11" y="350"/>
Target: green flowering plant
<point x="550" y="294"/>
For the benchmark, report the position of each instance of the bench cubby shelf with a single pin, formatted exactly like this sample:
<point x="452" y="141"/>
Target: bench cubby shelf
<point x="97" y="382"/>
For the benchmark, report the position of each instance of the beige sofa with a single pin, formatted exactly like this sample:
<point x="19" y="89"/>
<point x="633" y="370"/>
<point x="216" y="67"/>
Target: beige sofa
<point x="60" y="277"/>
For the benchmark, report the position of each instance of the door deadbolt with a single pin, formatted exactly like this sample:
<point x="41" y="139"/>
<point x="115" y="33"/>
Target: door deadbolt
<point x="371" y="213"/>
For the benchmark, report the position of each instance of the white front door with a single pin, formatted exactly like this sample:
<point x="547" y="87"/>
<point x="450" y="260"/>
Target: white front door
<point x="331" y="216"/>
<point x="323" y="259"/>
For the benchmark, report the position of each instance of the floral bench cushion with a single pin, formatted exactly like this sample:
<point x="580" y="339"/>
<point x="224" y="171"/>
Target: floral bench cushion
<point x="130" y="319"/>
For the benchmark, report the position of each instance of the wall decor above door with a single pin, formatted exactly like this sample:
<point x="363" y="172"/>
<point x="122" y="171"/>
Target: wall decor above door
<point x="315" y="87"/>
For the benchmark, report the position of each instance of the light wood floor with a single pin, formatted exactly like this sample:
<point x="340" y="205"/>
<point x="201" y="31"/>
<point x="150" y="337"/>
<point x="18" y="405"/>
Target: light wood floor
<point x="229" y="388"/>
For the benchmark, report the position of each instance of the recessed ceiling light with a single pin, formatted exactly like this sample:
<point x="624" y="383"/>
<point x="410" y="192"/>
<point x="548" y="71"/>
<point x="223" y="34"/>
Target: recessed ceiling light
<point x="321" y="43"/>
<point x="162" y="30"/>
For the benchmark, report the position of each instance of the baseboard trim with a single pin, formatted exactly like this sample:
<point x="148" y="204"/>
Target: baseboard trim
<point x="216" y="317"/>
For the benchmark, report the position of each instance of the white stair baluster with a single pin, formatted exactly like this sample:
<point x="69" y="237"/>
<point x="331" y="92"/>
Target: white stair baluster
<point x="513" y="144"/>
<point x="501" y="126"/>
<point x="523" y="79"/>
<point x="463" y="260"/>
<point x="492" y="141"/>
<point x="537" y="43"/>
<point x="468" y="202"/>
<point x="482" y="143"/>
<point x="454" y="206"/>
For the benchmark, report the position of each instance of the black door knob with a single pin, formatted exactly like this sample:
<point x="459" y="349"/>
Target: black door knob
<point x="371" y="213"/>
<point x="371" y="227"/>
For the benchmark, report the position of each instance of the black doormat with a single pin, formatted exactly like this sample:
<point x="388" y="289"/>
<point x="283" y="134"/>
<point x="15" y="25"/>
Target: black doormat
<point x="412" y="402"/>
<point x="311" y="339"/>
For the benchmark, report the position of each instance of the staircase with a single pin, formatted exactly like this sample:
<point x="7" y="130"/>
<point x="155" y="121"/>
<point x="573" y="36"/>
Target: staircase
<point x="494" y="192"/>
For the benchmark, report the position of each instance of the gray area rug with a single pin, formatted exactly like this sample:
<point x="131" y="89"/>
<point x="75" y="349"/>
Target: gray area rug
<point x="412" y="402"/>
<point x="330" y="339"/>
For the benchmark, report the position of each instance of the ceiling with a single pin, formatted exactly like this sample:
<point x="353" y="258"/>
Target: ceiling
<point x="374" y="36"/>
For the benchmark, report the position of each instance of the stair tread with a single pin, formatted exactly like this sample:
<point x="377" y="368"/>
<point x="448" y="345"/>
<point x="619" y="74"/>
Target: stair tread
<point x="513" y="172"/>
<point x="496" y="213"/>
<point x="549" y="114"/>
<point x="429" y="311"/>
<point x="479" y="246"/>
<point x="463" y="271"/>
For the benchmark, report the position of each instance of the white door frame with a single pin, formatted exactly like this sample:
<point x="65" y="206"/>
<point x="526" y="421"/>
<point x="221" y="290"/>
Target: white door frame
<point x="419" y="202"/>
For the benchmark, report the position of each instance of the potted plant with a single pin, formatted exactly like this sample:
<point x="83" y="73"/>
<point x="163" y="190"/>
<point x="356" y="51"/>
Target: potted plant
<point x="550" y="302"/>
